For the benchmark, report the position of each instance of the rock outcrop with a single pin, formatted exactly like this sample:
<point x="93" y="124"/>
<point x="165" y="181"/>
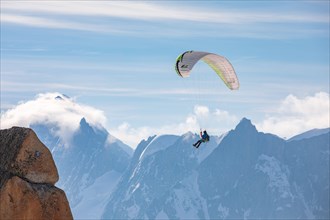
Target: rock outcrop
<point x="27" y="177"/>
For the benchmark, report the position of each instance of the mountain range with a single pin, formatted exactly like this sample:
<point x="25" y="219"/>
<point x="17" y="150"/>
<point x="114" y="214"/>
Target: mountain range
<point x="242" y="174"/>
<point x="89" y="168"/>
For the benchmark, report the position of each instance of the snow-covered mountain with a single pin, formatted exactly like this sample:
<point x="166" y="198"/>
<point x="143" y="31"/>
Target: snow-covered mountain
<point x="244" y="174"/>
<point x="310" y="133"/>
<point x="89" y="168"/>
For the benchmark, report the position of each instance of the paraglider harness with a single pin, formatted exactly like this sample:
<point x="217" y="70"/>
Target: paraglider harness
<point x="205" y="137"/>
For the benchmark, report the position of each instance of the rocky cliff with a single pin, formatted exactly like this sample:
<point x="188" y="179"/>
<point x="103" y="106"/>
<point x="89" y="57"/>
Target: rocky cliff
<point x="27" y="177"/>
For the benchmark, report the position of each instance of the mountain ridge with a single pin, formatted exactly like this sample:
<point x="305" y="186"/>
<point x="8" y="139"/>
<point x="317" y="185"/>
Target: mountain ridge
<point x="92" y="154"/>
<point x="309" y="134"/>
<point x="263" y="172"/>
<point x="166" y="177"/>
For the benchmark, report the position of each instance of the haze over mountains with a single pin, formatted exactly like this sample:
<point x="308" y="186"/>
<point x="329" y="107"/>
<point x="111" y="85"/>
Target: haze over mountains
<point x="89" y="168"/>
<point x="247" y="175"/>
<point x="242" y="174"/>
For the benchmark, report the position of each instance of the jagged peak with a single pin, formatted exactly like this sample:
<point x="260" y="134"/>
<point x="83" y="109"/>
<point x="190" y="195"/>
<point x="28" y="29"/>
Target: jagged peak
<point x="62" y="97"/>
<point x="83" y="122"/>
<point x="59" y="98"/>
<point x="245" y="124"/>
<point x="142" y="145"/>
<point x="85" y="126"/>
<point x="89" y="127"/>
<point x="149" y="139"/>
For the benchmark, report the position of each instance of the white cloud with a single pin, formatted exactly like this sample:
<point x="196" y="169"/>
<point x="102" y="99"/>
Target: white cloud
<point x="152" y="11"/>
<point x="46" y="108"/>
<point x="106" y="16"/>
<point x="216" y="122"/>
<point x="296" y="115"/>
<point x="43" y="22"/>
<point x="293" y="116"/>
<point x="201" y="111"/>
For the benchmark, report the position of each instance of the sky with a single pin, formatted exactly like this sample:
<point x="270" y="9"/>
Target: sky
<point x="115" y="60"/>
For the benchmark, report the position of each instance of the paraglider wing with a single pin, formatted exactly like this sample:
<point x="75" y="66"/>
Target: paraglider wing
<point x="186" y="61"/>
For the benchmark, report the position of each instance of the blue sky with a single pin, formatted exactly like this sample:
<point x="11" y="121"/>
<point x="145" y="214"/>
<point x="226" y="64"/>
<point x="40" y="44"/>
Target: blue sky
<point x="118" y="57"/>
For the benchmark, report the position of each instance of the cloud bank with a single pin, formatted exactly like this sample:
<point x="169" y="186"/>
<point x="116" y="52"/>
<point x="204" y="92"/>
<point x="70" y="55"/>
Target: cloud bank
<point x="104" y="16"/>
<point x="63" y="112"/>
<point x="293" y="116"/>
<point x="296" y="115"/>
<point x="52" y="109"/>
<point x="215" y="121"/>
<point x="152" y="11"/>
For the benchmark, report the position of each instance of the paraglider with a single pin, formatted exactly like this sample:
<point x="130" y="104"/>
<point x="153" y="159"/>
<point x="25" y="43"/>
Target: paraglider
<point x="186" y="61"/>
<point x="204" y="138"/>
<point x="221" y="66"/>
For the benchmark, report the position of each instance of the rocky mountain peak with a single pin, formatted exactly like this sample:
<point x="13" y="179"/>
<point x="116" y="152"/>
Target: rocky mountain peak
<point x="24" y="155"/>
<point x="27" y="177"/>
<point x="245" y="125"/>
